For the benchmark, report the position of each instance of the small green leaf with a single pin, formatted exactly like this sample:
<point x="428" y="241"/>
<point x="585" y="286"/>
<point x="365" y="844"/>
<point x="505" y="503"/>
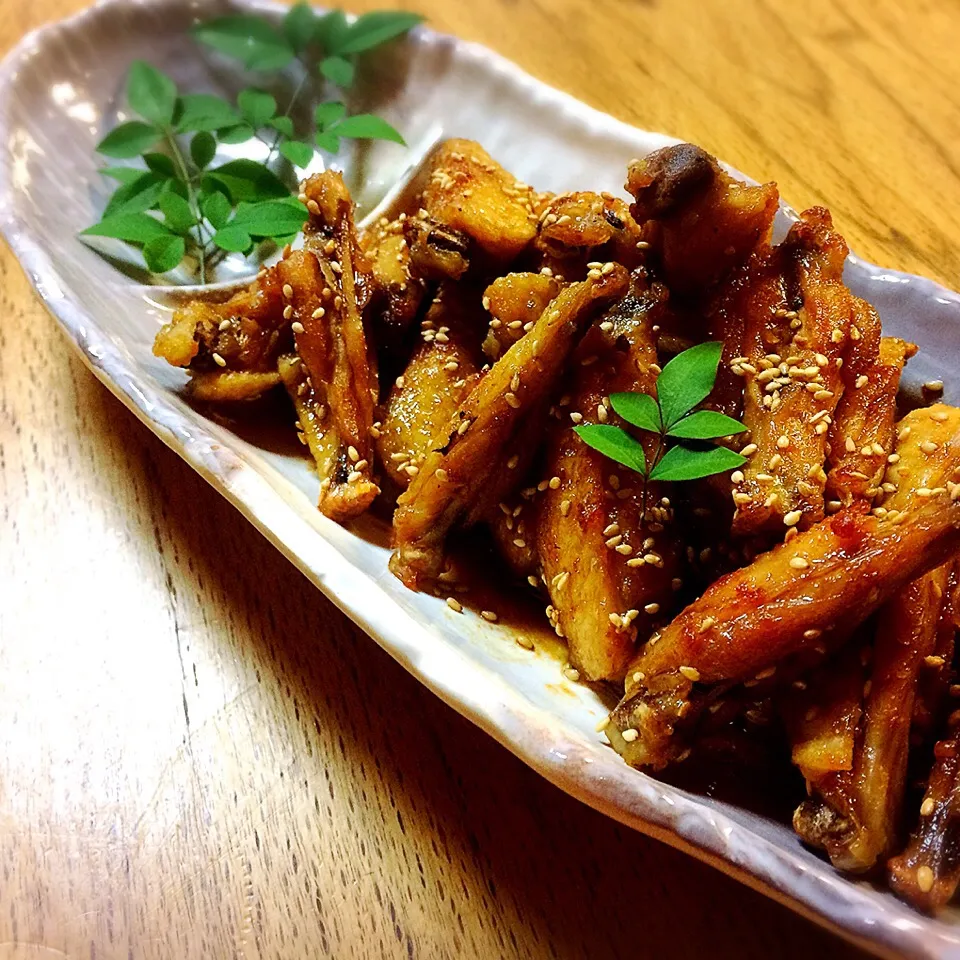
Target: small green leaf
<point x="685" y="463"/>
<point x="614" y="443"/>
<point x="123" y="174"/>
<point x="176" y="186"/>
<point x="203" y="111"/>
<point x="271" y="218"/>
<point x="233" y="239"/>
<point x="251" y="40"/>
<point x="177" y="213"/>
<point x="325" y="114"/>
<point x="136" y="196"/>
<point x="282" y="124"/>
<point x="367" y="126"/>
<point x="203" y="148"/>
<point x="256" y="106"/>
<point x="216" y="208"/>
<point x="151" y="93"/>
<point x="132" y="227"/>
<point x="338" y="70"/>
<point x="704" y="425"/>
<point x="637" y="408"/>
<point x="331" y="30"/>
<point x="248" y="180"/>
<point x="371" y="29"/>
<point x="687" y="380"/>
<point x="128" y="140"/>
<point x="299" y="154"/>
<point x="299" y="26"/>
<point x="328" y="141"/>
<point x="162" y="164"/>
<point x="240" y="133"/>
<point x="164" y="253"/>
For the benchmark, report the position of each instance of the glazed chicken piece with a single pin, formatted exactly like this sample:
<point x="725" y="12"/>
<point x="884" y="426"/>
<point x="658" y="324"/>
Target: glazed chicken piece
<point x="471" y="195"/>
<point x="458" y="479"/>
<point x="855" y="813"/>
<point x="230" y="348"/>
<point x="315" y="428"/>
<point x="708" y="223"/>
<point x="806" y="594"/>
<point x="608" y="559"/>
<point x="577" y="229"/>
<point x="326" y="285"/>
<point x="440" y="373"/>
<point x="932" y="700"/>
<point x="797" y="320"/>
<point x="862" y="433"/>
<point x="400" y="288"/>
<point x="515" y="302"/>
<point x="927" y="872"/>
<point x="822" y="713"/>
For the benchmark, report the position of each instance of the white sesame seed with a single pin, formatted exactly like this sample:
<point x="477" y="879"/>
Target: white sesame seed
<point x="629" y="734"/>
<point x="218" y="360"/>
<point x="454" y="604"/>
<point x="798" y="563"/>
<point x="489" y="615"/>
<point x="652" y="608"/>
<point x="565" y="507"/>
<point x="354" y="476"/>
<point x="928" y="446"/>
<point x="927" y="807"/>
<point x="925" y="878"/>
<point x="287" y="291"/>
<point x="691" y="673"/>
<point x="792" y="518"/>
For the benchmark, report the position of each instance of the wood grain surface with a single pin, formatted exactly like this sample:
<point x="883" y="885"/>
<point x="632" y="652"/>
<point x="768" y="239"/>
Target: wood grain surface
<point x="201" y="757"/>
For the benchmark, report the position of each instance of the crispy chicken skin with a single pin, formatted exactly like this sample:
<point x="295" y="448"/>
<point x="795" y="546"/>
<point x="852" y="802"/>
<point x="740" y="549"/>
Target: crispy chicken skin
<point x="515" y="302"/>
<point x="855" y="814"/>
<point x="797" y="317"/>
<point x="247" y="332"/>
<point x="805" y="594"/>
<point x="708" y="223"/>
<point x="927" y="872"/>
<point x="231" y="385"/>
<point x="452" y="478"/>
<point x="468" y="192"/>
<point x="862" y="433"/>
<point x="608" y="566"/>
<point x="326" y="285"/>
<point x="440" y="373"/>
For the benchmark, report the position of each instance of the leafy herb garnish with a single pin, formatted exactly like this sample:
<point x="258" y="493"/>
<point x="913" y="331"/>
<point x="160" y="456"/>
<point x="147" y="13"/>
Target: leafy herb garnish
<point x="183" y="204"/>
<point x="684" y="382"/>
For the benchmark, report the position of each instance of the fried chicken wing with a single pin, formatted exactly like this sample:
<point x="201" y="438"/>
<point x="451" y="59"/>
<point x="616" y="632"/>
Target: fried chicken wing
<point x="453" y="478"/>
<point x="823" y="712"/>
<point x="470" y="193"/>
<point x="247" y="332"/>
<point x="708" y="222"/>
<point x="808" y="592"/>
<point x="862" y="433"/>
<point x="855" y="814"/>
<point x="399" y="286"/>
<point x="576" y="229"/>
<point x="797" y="321"/>
<point x="440" y="373"/>
<point x="230" y="386"/>
<point x="515" y="302"/>
<point x="608" y="558"/>
<point x="927" y="872"/>
<point x="326" y="285"/>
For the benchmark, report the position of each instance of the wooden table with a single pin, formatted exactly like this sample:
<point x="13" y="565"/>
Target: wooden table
<point x="193" y="760"/>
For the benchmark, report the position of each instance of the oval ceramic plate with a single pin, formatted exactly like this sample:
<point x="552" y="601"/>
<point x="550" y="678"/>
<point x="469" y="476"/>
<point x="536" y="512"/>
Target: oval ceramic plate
<point x="59" y="92"/>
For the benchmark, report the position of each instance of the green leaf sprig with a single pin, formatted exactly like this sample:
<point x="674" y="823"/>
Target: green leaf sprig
<point x="684" y="382"/>
<point x="181" y="203"/>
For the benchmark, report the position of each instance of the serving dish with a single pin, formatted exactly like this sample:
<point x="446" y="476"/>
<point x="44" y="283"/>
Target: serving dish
<point x="60" y="90"/>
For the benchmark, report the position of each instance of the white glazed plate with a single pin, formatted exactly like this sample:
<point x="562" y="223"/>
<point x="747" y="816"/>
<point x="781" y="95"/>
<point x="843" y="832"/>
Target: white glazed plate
<point x="60" y="91"/>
